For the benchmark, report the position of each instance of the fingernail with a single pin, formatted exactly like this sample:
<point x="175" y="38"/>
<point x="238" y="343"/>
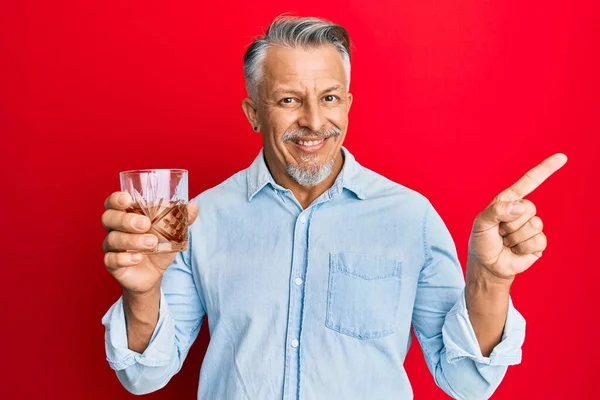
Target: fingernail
<point x="148" y="241"/>
<point x="501" y="231"/>
<point x="136" y="257"/>
<point x="122" y="199"/>
<point x="516" y="209"/>
<point x="140" y="222"/>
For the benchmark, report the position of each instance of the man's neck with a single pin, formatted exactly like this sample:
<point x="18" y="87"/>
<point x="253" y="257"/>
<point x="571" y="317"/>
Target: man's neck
<point x="307" y="194"/>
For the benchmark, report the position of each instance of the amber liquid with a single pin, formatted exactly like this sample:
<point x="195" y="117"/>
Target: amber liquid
<point x="169" y="224"/>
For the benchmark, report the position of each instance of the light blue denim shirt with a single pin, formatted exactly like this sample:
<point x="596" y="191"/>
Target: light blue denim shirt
<point x="315" y="303"/>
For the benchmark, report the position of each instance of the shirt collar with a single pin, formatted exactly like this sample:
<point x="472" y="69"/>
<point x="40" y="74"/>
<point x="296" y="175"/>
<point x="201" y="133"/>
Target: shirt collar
<point x="258" y="175"/>
<point x="349" y="177"/>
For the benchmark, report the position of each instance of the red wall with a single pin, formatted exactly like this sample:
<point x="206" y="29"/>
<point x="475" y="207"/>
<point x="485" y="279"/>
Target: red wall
<point x="453" y="99"/>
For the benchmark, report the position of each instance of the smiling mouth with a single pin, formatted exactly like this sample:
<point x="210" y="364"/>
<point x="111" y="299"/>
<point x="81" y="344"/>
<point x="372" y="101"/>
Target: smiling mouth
<point x="311" y="145"/>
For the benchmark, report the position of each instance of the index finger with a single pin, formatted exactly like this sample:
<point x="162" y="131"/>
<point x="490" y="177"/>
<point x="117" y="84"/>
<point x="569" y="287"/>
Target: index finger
<point x="118" y="201"/>
<point x="534" y="178"/>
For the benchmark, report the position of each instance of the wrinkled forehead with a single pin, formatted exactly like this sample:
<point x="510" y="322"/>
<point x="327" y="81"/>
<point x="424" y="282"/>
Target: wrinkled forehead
<point x="303" y="69"/>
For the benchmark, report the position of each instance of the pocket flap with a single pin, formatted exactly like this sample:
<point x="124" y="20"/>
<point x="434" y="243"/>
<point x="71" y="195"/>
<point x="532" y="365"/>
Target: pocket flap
<point x="366" y="266"/>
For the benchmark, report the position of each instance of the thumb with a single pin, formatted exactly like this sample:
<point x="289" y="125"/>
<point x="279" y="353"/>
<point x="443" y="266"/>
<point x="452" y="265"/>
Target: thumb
<point x="499" y="211"/>
<point x="192" y="212"/>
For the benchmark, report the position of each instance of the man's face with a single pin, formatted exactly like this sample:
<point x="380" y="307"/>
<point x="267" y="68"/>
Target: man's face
<point x="303" y="111"/>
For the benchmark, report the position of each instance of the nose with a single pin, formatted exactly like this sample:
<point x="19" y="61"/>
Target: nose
<point x="312" y="116"/>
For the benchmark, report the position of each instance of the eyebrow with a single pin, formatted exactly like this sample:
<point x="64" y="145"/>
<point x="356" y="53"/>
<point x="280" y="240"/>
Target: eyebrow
<point x="288" y="91"/>
<point x="332" y="89"/>
<point x="298" y="92"/>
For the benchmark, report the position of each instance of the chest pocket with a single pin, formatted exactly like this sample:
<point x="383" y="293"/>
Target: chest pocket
<point x="362" y="295"/>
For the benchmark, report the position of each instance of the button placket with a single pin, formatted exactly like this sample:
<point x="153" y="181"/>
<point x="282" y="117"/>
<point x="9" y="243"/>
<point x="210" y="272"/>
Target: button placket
<point x="298" y="271"/>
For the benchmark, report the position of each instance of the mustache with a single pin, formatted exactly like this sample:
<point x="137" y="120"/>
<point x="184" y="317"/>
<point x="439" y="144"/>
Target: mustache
<point x="292" y="134"/>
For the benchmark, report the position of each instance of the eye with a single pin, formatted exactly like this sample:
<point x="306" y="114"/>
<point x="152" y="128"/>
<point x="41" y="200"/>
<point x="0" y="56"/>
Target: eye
<point x="289" y="100"/>
<point x="330" y="98"/>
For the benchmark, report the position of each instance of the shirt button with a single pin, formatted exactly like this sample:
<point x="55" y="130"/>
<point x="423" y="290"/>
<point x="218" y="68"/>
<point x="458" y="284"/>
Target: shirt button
<point x="295" y="343"/>
<point x="303" y="219"/>
<point x="298" y="281"/>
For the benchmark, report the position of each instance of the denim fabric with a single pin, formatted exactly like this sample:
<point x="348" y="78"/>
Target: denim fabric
<point x="315" y="303"/>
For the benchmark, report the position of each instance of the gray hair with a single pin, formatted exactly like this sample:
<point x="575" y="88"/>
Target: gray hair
<point x="293" y="32"/>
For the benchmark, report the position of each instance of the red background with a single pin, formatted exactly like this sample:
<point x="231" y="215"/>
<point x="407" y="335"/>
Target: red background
<point x="456" y="99"/>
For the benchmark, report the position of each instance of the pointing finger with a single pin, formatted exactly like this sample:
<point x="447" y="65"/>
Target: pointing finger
<point x="534" y="178"/>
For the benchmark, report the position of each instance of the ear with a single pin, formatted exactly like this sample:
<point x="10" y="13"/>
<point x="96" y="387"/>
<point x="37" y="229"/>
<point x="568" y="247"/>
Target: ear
<point x="250" y="110"/>
<point x="350" y="98"/>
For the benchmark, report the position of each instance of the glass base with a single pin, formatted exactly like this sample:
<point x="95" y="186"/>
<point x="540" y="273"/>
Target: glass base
<point x="164" y="248"/>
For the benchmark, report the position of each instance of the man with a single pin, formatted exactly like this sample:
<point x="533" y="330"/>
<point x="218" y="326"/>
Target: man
<point x="311" y="268"/>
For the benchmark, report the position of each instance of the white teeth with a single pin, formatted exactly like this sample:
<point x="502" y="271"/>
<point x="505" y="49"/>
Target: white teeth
<point x="309" y="142"/>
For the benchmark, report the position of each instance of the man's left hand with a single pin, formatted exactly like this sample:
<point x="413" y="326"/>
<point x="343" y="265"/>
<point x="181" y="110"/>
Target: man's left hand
<point x="507" y="236"/>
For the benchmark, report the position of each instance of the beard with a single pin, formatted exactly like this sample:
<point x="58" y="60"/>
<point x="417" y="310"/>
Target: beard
<point x="310" y="175"/>
<point x="309" y="172"/>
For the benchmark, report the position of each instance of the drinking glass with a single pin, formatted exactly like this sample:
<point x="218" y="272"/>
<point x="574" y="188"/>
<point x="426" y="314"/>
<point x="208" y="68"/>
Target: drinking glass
<point x="162" y="196"/>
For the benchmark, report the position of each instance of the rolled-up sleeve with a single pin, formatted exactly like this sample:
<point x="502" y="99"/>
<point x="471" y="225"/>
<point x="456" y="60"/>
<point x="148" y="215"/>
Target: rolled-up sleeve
<point x="160" y="349"/>
<point x="180" y="317"/>
<point x="460" y="341"/>
<point x="442" y="326"/>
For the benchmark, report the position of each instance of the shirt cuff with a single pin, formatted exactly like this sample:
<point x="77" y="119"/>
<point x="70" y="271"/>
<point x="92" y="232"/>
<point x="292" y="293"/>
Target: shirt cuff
<point x="460" y="340"/>
<point x="160" y="349"/>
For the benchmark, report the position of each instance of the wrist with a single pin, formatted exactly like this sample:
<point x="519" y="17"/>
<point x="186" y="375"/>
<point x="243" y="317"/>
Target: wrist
<point x="142" y="308"/>
<point x="481" y="276"/>
<point x="142" y="295"/>
<point x="486" y="293"/>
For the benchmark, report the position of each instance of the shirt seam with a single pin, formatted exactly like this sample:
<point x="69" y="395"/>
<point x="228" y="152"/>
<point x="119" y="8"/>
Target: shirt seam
<point x="423" y="347"/>
<point x="426" y="254"/>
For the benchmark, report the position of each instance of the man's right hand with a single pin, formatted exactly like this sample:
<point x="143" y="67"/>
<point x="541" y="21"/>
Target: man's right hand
<point x="137" y="273"/>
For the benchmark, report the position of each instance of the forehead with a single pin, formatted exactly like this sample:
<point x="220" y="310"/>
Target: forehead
<point x="300" y="66"/>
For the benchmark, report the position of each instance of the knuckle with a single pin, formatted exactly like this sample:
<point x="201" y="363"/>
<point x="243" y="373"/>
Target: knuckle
<point x="122" y="258"/>
<point x="112" y="240"/>
<point x="529" y="206"/>
<point x="107" y="201"/>
<point x="106" y="218"/>
<point x="108" y="260"/>
<point x="129" y="242"/>
<point x="510" y="226"/>
<point x="127" y="221"/>
<point x="502" y="229"/>
<point x="117" y="200"/>
<point x="133" y="242"/>
<point x="113" y="219"/>
<point x="123" y="196"/>
<point x="519" y="248"/>
<point x="542" y="240"/>
<point x="509" y="241"/>
<point x="537" y="223"/>
<point x="499" y="208"/>
<point x="114" y="196"/>
<point x="111" y="200"/>
<point x="122" y="241"/>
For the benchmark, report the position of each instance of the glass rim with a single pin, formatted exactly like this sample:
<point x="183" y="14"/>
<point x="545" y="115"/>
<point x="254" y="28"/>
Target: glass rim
<point x="141" y="171"/>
